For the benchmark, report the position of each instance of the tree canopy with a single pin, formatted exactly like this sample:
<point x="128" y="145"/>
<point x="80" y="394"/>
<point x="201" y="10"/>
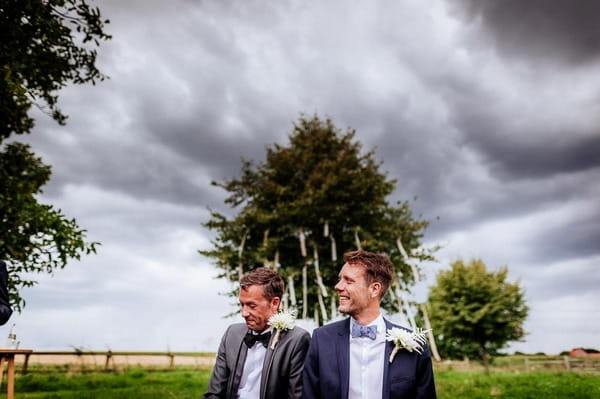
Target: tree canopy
<point x="475" y="313"/>
<point x="45" y="45"/>
<point x="35" y="238"/>
<point x="306" y="205"/>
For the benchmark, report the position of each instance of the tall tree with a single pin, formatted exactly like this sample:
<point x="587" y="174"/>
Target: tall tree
<point x="475" y="313"/>
<point x="44" y="45"/>
<point x="306" y="205"/>
<point x="34" y="238"/>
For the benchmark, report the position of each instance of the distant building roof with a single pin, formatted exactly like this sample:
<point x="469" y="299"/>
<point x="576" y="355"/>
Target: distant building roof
<point x="582" y="352"/>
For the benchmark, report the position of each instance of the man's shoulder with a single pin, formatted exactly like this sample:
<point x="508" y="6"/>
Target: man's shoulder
<point x="389" y="324"/>
<point x="332" y="327"/>
<point x="297" y="332"/>
<point x="296" y="336"/>
<point x="237" y="329"/>
<point x="335" y="324"/>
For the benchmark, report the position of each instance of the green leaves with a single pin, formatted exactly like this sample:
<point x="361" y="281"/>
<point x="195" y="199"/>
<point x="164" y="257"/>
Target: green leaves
<point x="320" y="182"/>
<point x="35" y="238"/>
<point x="45" y="45"/>
<point x="475" y="312"/>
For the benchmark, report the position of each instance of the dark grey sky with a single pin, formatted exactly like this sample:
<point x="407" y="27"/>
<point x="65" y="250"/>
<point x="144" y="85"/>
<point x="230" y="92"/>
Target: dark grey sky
<point x="486" y="112"/>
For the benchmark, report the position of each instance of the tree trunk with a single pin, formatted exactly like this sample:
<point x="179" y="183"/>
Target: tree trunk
<point x="485" y="357"/>
<point x="432" y="345"/>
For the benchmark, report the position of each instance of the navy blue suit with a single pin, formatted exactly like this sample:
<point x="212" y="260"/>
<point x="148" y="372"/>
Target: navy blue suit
<point x="327" y="367"/>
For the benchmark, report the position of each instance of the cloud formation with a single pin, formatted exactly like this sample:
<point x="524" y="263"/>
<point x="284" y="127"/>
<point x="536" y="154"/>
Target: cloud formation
<point x="539" y="30"/>
<point x="487" y="113"/>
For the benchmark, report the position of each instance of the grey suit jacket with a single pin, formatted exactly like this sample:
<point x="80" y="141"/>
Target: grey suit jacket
<point x="282" y="369"/>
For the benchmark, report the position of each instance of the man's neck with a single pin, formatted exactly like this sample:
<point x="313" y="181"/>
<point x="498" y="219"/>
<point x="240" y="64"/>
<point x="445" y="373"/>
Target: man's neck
<point x="367" y="316"/>
<point x="262" y="331"/>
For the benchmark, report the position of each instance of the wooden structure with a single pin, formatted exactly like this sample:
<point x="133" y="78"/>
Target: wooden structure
<point x="8" y="355"/>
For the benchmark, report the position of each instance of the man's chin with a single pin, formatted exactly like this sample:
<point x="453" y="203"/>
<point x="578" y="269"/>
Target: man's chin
<point x="254" y="327"/>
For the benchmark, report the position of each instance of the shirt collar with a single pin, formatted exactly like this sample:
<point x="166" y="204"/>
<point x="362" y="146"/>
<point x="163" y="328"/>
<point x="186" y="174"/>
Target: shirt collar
<point x="269" y="330"/>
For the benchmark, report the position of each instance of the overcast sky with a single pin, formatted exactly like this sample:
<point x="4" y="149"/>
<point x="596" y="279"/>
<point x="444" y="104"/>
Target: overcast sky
<point x="487" y="112"/>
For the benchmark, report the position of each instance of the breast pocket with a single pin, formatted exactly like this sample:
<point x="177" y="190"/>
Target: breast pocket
<point x="402" y="380"/>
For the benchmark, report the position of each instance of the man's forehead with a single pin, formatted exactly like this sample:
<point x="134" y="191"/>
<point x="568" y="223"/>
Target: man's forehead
<point x="353" y="269"/>
<point x="252" y="288"/>
<point x="253" y="291"/>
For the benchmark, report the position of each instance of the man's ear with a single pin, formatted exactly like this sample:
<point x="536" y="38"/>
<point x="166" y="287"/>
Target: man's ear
<point x="275" y="302"/>
<point x="375" y="289"/>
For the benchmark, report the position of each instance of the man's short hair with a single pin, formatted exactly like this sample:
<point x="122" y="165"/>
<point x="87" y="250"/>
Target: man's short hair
<point x="269" y="279"/>
<point x="378" y="267"/>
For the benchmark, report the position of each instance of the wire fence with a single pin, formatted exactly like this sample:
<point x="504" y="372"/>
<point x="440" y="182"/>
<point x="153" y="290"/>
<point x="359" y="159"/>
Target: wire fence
<point x="526" y="364"/>
<point x="91" y="361"/>
<point x="85" y="361"/>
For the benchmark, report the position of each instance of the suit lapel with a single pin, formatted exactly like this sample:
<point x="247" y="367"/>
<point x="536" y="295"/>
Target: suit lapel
<point x="343" y="356"/>
<point x="389" y="345"/>
<point x="239" y="368"/>
<point x="268" y="362"/>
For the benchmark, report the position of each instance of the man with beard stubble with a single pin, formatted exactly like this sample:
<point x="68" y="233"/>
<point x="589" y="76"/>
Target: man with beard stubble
<point x="249" y="364"/>
<point x="349" y="359"/>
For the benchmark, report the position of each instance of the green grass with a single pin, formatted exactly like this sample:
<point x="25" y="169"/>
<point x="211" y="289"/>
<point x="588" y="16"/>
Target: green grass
<point x="511" y="385"/>
<point x="131" y="384"/>
<point x="184" y="383"/>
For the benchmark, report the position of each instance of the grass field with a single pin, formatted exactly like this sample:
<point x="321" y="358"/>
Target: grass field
<point x="184" y="383"/>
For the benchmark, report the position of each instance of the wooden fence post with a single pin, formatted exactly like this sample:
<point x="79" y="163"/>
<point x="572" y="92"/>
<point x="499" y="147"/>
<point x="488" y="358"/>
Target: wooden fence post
<point x="81" y="361"/>
<point x="567" y="363"/>
<point x="108" y="358"/>
<point x="26" y="362"/>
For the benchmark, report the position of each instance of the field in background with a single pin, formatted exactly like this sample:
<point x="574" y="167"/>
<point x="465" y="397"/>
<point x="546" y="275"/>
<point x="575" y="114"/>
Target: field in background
<point x="84" y="361"/>
<point x="186" y="383"/>
<point x="527" y="363"/>
<point x="162" y="375"/>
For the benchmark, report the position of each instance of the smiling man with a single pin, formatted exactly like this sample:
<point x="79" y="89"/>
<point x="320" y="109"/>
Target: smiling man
<point x="249" y="364"/>
<point x="349" y="359"/>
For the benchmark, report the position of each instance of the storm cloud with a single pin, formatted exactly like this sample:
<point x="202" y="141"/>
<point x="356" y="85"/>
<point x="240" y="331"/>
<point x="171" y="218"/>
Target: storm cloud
<point x="485" y="112"/>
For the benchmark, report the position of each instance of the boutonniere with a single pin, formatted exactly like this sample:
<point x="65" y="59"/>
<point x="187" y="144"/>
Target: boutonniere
<point x="282" y="321"/>
<point x="403" y="339"/>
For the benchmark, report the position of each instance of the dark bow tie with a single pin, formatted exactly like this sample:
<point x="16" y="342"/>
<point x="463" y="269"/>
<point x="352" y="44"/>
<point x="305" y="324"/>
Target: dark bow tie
<point x="364" y="331"/>
<point x="250" y="339"/>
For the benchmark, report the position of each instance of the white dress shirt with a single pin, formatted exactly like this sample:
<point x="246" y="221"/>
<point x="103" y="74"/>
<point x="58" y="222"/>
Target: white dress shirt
<point x="367" y="363"/>
<point x="250" y="383"/>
